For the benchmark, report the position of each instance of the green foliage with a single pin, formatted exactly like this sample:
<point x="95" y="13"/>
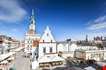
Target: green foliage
<point x="100" y="46"/>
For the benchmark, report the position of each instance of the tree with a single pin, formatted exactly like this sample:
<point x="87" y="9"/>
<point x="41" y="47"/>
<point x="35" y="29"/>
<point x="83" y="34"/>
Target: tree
<point x="100" y="46"/>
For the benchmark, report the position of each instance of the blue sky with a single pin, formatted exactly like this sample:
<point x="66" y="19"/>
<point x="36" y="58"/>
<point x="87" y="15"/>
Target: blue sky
<point x="66" y="18"/>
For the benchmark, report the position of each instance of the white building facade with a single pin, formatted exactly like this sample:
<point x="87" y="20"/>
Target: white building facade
<point x="47" y="43"/>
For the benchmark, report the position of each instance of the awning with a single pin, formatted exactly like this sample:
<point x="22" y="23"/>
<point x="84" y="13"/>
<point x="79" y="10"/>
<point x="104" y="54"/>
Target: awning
<point x="4" y="56"/>
<point x="11" y="58"/>
<point x="4" y="62"/>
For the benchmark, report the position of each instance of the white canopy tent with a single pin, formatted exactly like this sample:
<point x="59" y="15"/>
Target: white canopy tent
<point x="50" y="59"/>
<point x="44" y="59"/>
<point x="57" y="58"/>
<point x="89" y="68"/>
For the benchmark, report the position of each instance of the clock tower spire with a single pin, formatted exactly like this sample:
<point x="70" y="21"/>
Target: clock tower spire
<point x="32" y="24"/>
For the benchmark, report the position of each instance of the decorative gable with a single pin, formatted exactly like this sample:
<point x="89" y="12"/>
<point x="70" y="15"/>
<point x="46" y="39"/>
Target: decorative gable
<point x="47" y="36"/>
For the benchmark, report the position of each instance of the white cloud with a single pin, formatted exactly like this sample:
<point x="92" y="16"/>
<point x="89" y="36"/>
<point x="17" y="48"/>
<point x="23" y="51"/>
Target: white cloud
<point x="99" y="23"/>
<point x="97" y="26"/>
<point x="15" y="30"/>
<point x="11" y="11"/>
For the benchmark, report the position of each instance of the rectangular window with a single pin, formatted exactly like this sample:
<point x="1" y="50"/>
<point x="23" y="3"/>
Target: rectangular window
<point x="51" y="50"/>
<point x="30" y="45"/>
<point x="31" y="41"/>
<point x="44" y="50"/>
<point x="27" y="45"/>
<point x="27" y="41"/>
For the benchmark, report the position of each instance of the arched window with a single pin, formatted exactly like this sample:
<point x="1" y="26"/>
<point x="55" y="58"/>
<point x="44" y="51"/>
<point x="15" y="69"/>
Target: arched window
<point x="44" y="50"/>
<point x="51" y="49"/>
